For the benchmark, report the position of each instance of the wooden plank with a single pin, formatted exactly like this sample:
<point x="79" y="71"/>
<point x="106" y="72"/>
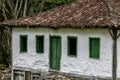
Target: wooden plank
<point x="27" y="75"/>
<point x="55" y="52"/>
<point x="58" y="55"/>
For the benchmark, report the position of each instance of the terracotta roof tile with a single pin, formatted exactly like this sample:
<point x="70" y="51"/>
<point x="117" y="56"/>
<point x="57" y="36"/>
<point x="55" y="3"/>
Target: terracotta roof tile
<point x="78" y="14"/>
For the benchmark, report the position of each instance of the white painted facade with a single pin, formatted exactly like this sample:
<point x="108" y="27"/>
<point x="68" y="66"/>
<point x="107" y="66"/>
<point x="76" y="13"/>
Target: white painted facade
<point x="82" y="64"/>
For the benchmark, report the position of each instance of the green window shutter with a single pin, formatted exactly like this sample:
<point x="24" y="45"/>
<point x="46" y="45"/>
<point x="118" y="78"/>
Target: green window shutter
<point x="72" y="46"/>
<point x="55" y="52"/>
<point x="94" y="47"/>
<point x="39" y="44"/>
<point x="23" y="43"/>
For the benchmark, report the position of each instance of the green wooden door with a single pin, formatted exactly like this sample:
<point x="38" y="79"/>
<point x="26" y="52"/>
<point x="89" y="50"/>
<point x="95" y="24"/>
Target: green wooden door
<point x="55" y="52"/>
<point x="94" y="47"/>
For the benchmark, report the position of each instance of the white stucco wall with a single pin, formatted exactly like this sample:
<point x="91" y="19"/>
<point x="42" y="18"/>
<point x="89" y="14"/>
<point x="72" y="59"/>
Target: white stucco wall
<point x="81" y="64"/>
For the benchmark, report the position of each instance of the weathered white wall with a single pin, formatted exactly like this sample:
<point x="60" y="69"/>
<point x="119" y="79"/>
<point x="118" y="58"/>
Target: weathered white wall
<point x="81" y="64"/>
<point x="118" y="54"/>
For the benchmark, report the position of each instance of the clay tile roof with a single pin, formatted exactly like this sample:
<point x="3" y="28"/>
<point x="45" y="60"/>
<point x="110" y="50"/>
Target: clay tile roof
<point x="78" y="14"/>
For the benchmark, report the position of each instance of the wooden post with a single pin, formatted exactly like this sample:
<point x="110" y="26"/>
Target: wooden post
<point x="114" y="34"/>
<point x="114" y="60"/>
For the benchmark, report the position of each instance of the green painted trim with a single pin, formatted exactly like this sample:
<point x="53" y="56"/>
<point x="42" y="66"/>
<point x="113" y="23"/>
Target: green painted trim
<point x="49" y="53"/>
<point x="96" y="38"/>
<point x="39" y="52"/>
<point x="20" y="45"/>
<point x="50" y="63"/>
<point x="74" y="37"/>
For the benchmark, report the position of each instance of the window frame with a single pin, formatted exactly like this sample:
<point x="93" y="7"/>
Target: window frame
<point x="39" y="52"/>
<point x="75" y="37"/>
<point x="35" y="75"/>
<point x="90" y="38"/>
<point x="21" y="43"/>
<point x="18" y="72"/>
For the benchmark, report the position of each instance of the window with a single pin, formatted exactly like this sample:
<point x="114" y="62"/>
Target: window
<point x="94" y="47"/>
<point x="25" y="75"/>
<point x="39" y="44"/>
<point x="23" y="43"/>
<point x="19" y="75"/>
<point x="72" y="46"/>
<point x="35" y="77"/>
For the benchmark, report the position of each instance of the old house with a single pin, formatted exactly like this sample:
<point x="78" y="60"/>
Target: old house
<point x="71" y="39"/>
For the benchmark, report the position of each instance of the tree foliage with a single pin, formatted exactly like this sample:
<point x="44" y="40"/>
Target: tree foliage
<point x="13" y="9"/>
<point x="43" y="5"/>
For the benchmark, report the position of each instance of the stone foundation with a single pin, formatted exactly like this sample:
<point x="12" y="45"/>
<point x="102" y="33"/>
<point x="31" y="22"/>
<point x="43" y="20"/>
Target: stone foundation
<point x="65" y="76"/>
<point x="53" y="75"/>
